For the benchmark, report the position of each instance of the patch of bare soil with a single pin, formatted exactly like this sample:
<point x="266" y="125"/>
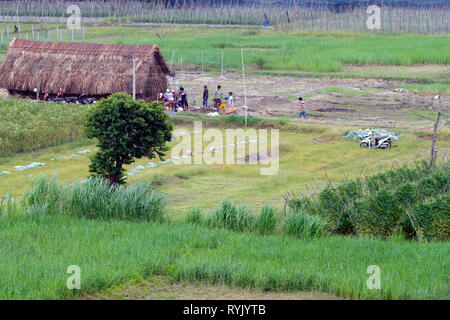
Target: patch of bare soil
<point x="427" y="68"/>
<point x="255" y="158"/>
<point x="335" y="110"/>
<point x="160" y="288"/>
<point x="351" y="100"/>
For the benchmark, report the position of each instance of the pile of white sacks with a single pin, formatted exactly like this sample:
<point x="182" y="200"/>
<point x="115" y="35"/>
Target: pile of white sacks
<point x="188" y="154"/>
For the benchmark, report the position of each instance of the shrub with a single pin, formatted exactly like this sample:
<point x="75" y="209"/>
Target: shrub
<point x="194" y="216"/>
<point x="232" y="217"/>
<point x="245" y="219"/>
<point x="94" y="199"/>
<point x="377" y="205"/>
<point x="267" y="219"/>
<point x="431" y="219"/>
<point x="299" y="224"/>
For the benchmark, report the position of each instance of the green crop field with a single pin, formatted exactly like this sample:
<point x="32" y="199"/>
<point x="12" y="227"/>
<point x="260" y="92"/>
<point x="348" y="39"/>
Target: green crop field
<point x="267" y="50"/>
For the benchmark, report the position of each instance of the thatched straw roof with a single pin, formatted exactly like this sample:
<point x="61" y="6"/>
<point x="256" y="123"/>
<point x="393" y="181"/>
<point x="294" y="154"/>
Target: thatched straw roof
<point x="89" y="68"/>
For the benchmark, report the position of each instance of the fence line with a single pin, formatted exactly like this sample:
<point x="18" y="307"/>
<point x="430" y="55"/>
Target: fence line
<point x="44" y="34"/>
<point x="395" y="18"/>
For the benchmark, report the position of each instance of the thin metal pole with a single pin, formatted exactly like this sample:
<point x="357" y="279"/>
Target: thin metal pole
<point x="37" y="82"/>
<point x="245" y="89"/>
<point x="134" y="78"/>
<point x="171" y="61"/>
<point x="17" y="16"/>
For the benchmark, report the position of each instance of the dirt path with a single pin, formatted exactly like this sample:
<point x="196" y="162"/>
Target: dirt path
<point x="162" y="288"/>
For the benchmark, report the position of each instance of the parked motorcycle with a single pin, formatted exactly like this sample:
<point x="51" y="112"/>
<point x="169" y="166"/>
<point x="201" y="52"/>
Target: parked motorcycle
<point x="71" y="100"/>
<point x="59" y="98"/>
<point x="381" y="142"/>
<point x="83" y="100"/>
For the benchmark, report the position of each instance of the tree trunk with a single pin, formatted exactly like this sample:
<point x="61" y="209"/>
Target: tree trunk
<point x="433" y="144"/>
<point x="114" y="178"/>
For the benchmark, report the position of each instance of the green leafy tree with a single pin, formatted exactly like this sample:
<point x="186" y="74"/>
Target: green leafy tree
<point x="125" y="129"/>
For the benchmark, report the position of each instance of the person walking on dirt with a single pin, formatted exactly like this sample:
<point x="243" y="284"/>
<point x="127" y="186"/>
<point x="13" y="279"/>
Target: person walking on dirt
<point x="218" y="95"/>
<point x="205" y="97"/>
<point x="302" y="108"/>
<point x="184" y="102"/>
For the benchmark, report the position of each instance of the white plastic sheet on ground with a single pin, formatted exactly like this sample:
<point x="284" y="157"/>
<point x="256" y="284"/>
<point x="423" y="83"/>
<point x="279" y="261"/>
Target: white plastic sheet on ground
<point x="82" y="152"/>
<point x="40" y="164"/>
<point x="30" y="166"/>
<point x="189" y="153"/>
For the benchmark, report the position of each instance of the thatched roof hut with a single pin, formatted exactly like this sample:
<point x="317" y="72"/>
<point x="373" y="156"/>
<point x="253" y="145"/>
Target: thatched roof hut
<point x="89" y="68"/>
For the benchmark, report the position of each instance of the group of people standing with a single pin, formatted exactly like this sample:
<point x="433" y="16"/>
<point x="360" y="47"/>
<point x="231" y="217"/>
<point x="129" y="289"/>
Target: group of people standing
<point x="218" y="98"/>
<point x="173" y="99"/>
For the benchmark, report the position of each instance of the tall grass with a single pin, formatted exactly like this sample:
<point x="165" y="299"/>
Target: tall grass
<point x="240" y="218"/>
<point x="302" y="225"/>
<point x="94" y="199"/>
<point x="267" y="219"/>
<point x="8" y="207"/>
<point x="36" y="254"/>
<point x="194" y="216"/>
<point x="233" y="217"/>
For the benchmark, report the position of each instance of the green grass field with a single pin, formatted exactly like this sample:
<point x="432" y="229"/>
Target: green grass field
<point x="267" y="50"/>
<point x="302" y="150"/>
<point x="37" y="253"/>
